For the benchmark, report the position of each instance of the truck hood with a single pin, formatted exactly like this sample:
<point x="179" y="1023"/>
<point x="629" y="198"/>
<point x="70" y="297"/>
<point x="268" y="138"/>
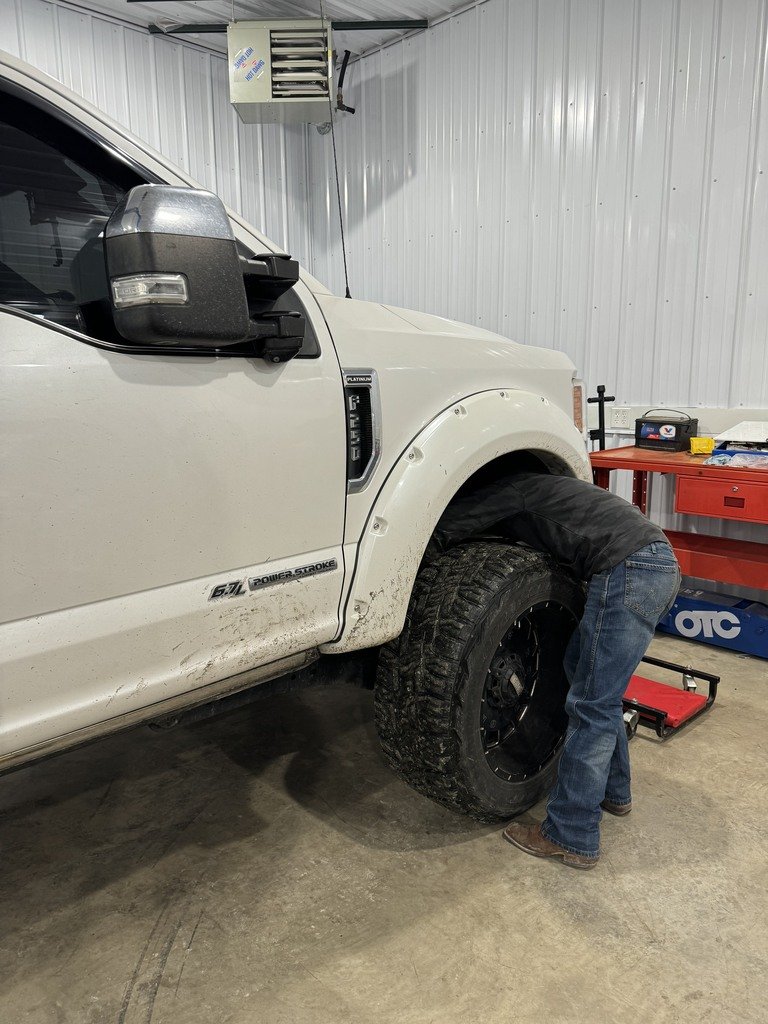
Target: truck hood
<point x="464" y="357"/>
<point x="441" y="326"/>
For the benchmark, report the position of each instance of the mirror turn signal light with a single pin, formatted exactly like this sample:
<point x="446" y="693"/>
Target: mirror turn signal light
<point x="149" y="289"/>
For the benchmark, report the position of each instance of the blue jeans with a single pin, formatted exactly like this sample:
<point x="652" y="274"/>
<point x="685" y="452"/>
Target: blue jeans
<point x="624" y="604"/>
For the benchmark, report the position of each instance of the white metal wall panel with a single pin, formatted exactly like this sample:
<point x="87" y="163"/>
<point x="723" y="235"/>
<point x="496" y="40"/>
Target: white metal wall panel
<point x="750" y="369"/>
<point x="9" y="29"/>
<point x="229" y="145"/>
<point x="517" y="65"/>
<point x="579" y="179"/>
<point x="492" y="127"/>
<point x="549" y="120"/>
<point x="394" y="165"/>
<point x="369" y="222"/>
<point x="581" y="174"/>
<point x="39" y="34"/>
<point x="442" y="176"/>
<point x="462" y="134"/>
<point x="176" y="97"/>
<point x="645" y="225"/>
<point x="691" y="133"/>
<point x="739" y="35"/>
<point x="172" y="101"/>
<point x="611" y="189"/>
<point x="77" y="47"/>
<point x="249" y="167"/>
<point x="143" y="102"/>
<point x="198" y="87"/>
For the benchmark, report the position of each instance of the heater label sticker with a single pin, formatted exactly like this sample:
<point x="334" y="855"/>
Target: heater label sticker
<point x="242" y="58"/>
<point x="248" y="65"/>
<point x="255" y="71"/>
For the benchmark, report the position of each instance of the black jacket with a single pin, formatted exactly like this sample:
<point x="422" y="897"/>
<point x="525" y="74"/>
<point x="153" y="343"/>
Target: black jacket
<point x="582" y="526"/>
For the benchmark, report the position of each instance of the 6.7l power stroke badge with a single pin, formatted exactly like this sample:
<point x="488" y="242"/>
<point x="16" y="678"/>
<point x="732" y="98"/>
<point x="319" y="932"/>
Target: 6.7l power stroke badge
<point x="236" y="588"/>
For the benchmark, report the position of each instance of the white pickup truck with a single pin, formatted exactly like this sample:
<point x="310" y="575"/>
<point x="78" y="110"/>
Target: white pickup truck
<point x="216" y="473"/>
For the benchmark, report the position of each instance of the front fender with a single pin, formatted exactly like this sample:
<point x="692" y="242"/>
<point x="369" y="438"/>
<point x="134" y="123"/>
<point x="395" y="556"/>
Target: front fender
<point x="422" y="482"/>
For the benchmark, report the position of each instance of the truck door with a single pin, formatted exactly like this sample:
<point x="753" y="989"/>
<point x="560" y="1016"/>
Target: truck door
<point x="167" y="522"/>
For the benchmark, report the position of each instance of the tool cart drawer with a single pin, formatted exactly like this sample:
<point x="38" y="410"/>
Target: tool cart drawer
<point x="747" y="502"/>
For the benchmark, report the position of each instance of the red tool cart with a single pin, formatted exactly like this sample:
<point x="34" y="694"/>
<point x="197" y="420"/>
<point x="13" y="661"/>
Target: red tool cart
<point x="720" y="492"/>
<point x="735" y="494"/>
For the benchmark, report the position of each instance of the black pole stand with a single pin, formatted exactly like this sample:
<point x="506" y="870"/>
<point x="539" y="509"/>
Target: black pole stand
<point x="598" y="434"/>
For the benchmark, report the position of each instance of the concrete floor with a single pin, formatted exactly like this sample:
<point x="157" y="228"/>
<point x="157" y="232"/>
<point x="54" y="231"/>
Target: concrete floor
<point x="267" y="866"/>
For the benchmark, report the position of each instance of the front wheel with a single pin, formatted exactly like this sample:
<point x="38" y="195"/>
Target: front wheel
<point x="470" y="698"/>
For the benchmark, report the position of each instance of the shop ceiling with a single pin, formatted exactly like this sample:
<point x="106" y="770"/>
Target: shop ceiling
<point x="188" y="12"/>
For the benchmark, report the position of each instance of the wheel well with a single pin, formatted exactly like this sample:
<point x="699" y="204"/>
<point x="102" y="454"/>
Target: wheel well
<point x="504" y="468"/>
<point x="509" y="465"/>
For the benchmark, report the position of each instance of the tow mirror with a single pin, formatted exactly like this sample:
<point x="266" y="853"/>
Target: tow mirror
<point x="278" y="336"/>
<point x="174" y="271"/>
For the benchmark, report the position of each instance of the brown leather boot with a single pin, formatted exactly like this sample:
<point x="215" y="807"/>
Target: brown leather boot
<point x="618" y="809"/>
<point x="529" y="838"/>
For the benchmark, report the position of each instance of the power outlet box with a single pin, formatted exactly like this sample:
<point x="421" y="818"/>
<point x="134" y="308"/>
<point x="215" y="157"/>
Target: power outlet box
<point x="621" y="417"/>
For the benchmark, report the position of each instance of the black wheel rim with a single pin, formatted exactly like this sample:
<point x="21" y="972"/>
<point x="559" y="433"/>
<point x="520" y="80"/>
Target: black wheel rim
<point x="522" y="715"/>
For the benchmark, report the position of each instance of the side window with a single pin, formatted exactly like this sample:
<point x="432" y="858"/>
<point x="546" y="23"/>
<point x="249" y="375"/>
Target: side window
<point x="57" y="190"/>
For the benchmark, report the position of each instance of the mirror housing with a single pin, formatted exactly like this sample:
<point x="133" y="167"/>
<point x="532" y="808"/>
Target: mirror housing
<point x="278" y="337"/>
<point x="174" y="271"/>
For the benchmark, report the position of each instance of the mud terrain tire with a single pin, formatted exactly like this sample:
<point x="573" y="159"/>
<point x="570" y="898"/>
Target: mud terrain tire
<point x="469" y="700"/>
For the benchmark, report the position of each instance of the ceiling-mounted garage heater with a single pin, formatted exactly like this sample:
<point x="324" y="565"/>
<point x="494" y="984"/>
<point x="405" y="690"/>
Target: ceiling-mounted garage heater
<point x="280" y="71"/>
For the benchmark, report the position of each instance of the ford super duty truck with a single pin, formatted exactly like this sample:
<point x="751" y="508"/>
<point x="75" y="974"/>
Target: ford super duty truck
<point x="216" y="473"/>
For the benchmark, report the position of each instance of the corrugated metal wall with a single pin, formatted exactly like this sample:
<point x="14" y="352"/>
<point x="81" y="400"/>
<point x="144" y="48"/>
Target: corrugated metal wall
<point x="582" y="174"/>
<point x="579" y="174"/>
<point x="176" y="97"/>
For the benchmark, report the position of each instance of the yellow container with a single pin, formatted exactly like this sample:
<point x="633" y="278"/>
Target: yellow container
<point x="702" y="445"/>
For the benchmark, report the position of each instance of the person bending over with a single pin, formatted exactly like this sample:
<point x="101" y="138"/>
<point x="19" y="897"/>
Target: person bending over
<point x="633" y="578"/>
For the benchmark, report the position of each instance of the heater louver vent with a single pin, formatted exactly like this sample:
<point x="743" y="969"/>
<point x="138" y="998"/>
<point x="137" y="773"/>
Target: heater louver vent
<point x="299" y="63"/>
